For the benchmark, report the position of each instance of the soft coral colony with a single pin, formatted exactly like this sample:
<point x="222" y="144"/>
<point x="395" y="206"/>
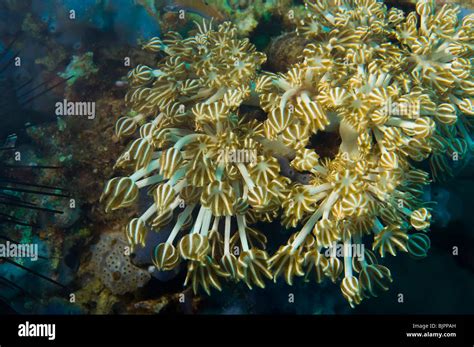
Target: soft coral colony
<point x="396" y="88"/>
<point x="184" y="155"/>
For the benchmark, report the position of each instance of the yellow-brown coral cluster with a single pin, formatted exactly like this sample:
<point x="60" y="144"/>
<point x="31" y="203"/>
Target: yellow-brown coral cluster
<point x="406" y="77"/>
<point x="386" y="83"/>
<point x="348" y="201"/>
<point x="196" y="152"/>
<point x="395" y="88"/>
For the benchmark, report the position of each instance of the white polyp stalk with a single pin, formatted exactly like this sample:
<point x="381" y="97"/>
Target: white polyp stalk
<point x="320" y="169"/>
<point x="398" y="122"/>
<point x="177" y="187"/>
<point x="179" y="223"/>
<point x="179" y="131"/>
<point x="178" y="175"/>
<point x="204" y="93"/>
<point x="318" y="189"/>
<point x="175" y="203"/>
<point x="329" y="203"/>
<point x="215" y="225"/>
<point x="245" y="193"/>
<point x="185" y="140"/>
<point x="219" y="127"/>
<point x="198" y="223"/>
<point x="174" y="135"/>
<point x="444" y="60"/>
<point x="308" y="77"/>
<point x="284" y="99"/>
<point x="306" y="229"/>
<point x="246" y="176"/>
<point x="358" y="241"/>
<point x="217" y="96"/>
<point x="206" y="222"/>
<point x="405" y="141"/>
<point x="148" y="213"/>
<point x="149" y="181"/>
<point x="242" y="233"/>
<point x="282" y="84"/>
<point x="319" y="196"/>
<point x="382" y="80"/>
<point x="305" y="98"/>
<point x="227" y="235"/>
<point x="153" y="165"/>
<point x="157" y="119"/>
<point x="371" y="177"/>
<point x="157" y="73"/>
<point x="347" y="258"/>
<point x="325" y="78"/>
<point x="371" y="81"/>
<point x="378" y="138"/>
<point x="348" y="139"/>
<point x="377" y="227"/>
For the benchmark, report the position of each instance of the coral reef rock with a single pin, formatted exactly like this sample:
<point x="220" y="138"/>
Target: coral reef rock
<point x="113" y="266"/>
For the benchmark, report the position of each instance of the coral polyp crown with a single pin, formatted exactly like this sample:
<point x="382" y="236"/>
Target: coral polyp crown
<point x="219" y="145"/>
